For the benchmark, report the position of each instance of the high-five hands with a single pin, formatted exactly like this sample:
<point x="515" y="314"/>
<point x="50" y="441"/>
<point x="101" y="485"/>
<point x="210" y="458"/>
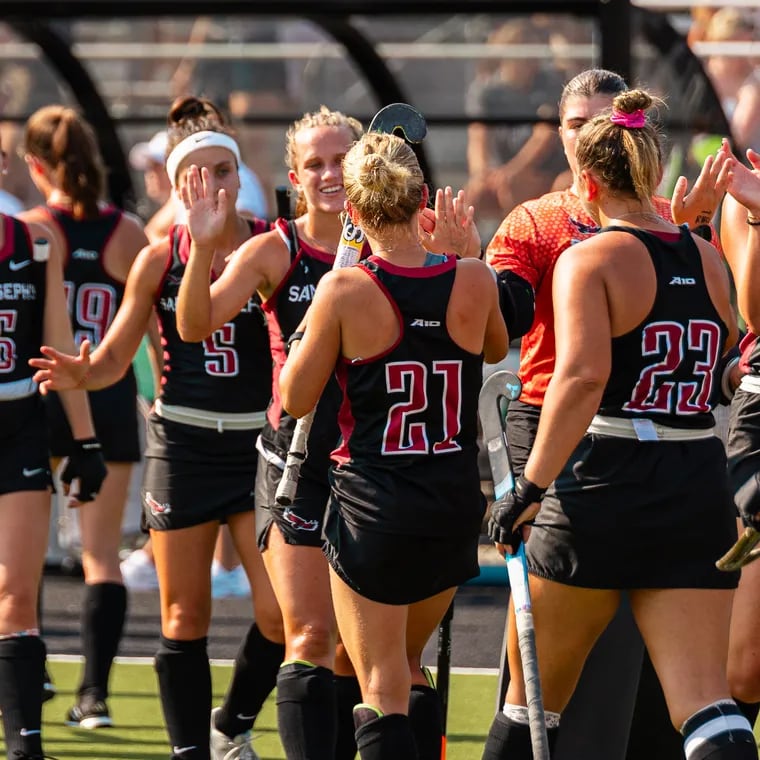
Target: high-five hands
<point x="699" y="205"/>
<point x="449" y="227"/>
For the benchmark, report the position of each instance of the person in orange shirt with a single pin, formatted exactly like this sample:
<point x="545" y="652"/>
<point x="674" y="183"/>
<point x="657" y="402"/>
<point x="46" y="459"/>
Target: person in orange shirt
<point x="523" y="252"/>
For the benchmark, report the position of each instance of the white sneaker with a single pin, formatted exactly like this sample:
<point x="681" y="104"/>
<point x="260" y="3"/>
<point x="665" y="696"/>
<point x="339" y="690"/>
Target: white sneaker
<point x="139" y="572"/>
<point x="224" y="748"/>
<point x="229" y="583"/>
<point x="238" y="580"/>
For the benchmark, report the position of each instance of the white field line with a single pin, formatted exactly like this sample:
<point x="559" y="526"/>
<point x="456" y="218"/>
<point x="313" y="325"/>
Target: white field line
<point x="148" y="661"/>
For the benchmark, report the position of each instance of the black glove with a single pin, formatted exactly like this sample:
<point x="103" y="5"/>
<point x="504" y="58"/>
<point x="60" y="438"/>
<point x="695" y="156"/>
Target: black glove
<point x="747" y="500"/>
<point x="86" y="463"/>
<point x="504" y="512"/>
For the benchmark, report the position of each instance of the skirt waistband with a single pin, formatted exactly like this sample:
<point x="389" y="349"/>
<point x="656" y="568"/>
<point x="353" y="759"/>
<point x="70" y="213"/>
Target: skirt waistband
<point x="219" y="421"/>
<point x="643" y="429"/>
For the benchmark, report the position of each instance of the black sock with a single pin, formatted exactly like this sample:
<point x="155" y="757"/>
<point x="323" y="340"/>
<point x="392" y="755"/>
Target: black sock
<point x="749" y="710"/>
<point x="509" y="739"/>
<point x="719" y="731"/>
<point x="253" y="679"/>
<point x="306" y="711"/>
<point x="426" y="718"/>
<point x="387" y="736"/>
<point x="184" y="680"/>
<point x="22" y="665"/>
<point x="348" y="695"/>
<point x="103" y="613"/>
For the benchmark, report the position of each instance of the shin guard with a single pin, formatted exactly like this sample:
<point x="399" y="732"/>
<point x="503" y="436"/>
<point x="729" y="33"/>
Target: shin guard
<point x="103" y="614"/>
<point x="184" y="680"/>
<point x="306" y="710"/>
<point x="22" y="665"/>
<point x="379" y="737"/>
<point x="253" y="679"/>
<point x="426" y="719"/>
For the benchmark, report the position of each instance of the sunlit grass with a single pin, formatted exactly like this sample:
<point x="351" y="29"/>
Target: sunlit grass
<point x="139" y="732"/>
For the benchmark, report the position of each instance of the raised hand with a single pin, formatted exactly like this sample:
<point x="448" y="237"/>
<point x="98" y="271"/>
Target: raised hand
<point x="61" y="372"/>
<point x="699" y="205"/>
<point x="744" y="183"/>
<point x="449" y="227"/>
<point x="206" y="208"/>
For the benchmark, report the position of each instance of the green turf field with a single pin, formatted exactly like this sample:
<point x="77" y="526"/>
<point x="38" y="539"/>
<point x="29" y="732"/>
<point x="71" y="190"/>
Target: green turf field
<point x="139" y="730"/>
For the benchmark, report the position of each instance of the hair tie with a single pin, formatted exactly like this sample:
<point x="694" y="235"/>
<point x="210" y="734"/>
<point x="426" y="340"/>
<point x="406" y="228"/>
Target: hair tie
<point x="634" y="120"/>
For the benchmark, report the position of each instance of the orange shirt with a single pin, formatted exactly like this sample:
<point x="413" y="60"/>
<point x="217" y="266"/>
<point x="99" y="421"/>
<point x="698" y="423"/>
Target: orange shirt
<point x="529" y="242"/>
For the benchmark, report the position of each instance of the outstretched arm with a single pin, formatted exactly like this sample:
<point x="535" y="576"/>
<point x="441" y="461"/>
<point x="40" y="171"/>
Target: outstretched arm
<point x="62" y="370"/>
<point x="57" y="332"/>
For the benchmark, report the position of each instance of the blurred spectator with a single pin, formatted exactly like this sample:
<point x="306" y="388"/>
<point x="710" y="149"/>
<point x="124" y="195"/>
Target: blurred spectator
<point x="25" y="86"/>
<point x="158" y="207"/>
<point x="9" y="204"/>
<point x="243" y="87"/>
<point x="510" y="164"/>
<point x="700" y="20"/>
<point x="736" y="78"/>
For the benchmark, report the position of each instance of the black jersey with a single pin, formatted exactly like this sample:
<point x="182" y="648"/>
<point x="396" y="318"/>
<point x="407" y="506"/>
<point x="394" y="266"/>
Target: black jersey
<point x="420" y="397"/>
<point x="231" y="370"/>
<point x="665" y="369"/>
<point x="22" y="302"/>
<point x="284" y="310"/>
<point x="92" y="295"/>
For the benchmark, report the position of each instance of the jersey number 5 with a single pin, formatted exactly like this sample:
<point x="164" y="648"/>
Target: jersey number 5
<point x="221" y="356"/>
<point x="7" y="345"/>
<point x="404" y="436"/>
<point x="654" y="392"/>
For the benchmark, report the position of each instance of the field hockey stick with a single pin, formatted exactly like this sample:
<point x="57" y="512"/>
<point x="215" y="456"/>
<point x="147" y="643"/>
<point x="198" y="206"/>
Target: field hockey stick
<point x="409" y="124"/>
<point x="497" y="392"/>
<point x="282" y="202"/>
<point x="443" y="671"/>
<point x="742" y="552"/>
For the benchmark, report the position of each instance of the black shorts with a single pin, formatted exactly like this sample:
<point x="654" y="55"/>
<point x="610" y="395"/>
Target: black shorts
<point x="398" y="536"/>
<point x="115" y="416"/>
<point x="24" y="458"/>
<point x="301" y="523"/>
<point x="522" y="425"/>
<point x="743" y="447"/>
<point x="195" y="475"/>
<point x="630" y="515"/>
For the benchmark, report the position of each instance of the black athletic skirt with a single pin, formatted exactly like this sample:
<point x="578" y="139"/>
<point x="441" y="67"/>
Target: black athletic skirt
<point x="24" y="457"/>
<point x="195" y="475"/>
<point x="397" y="537"/>
<point x="626" y="514"/>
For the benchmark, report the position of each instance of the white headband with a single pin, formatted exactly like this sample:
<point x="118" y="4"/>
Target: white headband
<point x="205" y="139"/>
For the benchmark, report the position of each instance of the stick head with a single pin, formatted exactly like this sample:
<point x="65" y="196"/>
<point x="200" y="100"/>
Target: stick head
<point x="402" y="120"/>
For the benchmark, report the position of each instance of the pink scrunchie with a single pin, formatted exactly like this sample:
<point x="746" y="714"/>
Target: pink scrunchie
<point x="634" y="120"/>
